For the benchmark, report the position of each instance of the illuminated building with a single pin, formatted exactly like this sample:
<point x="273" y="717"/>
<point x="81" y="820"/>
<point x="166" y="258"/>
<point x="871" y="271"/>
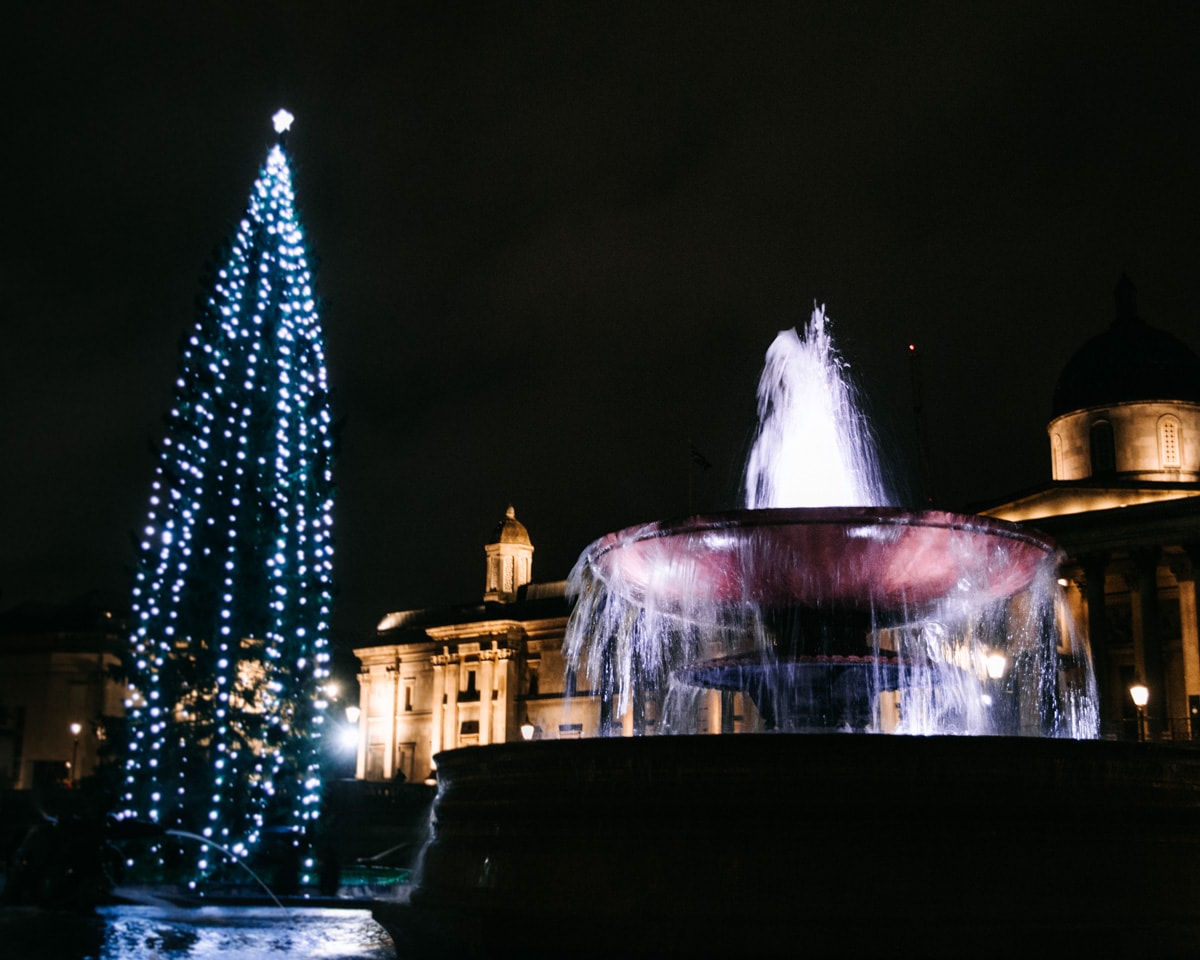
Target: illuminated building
<point x="1124" y="505"/>
<point x="479" y="673"/>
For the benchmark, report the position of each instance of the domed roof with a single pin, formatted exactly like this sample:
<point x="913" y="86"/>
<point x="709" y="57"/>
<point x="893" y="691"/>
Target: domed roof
<point x="510" y="529"/>
<point x="1128" y="361"/>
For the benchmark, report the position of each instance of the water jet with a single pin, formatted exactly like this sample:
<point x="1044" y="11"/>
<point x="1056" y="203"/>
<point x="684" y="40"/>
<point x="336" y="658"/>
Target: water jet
<point x="233" y="858"/>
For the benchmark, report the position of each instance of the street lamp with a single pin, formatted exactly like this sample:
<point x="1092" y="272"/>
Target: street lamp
<point x="1140" y="694"/>
<point x="349" y="733"/>
<point x="76" y="729"/>
<point x="528" y="729"/>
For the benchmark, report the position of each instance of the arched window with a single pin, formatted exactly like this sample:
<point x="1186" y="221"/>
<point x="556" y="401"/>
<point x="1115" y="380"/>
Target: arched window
<point x="1056" y="467"/>
<point x="1168" y="442"/>
<point x="1103" y="449"/>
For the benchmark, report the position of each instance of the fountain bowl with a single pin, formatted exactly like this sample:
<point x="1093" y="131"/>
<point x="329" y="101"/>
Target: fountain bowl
<point x="814" y="612"/>
<point x="818" y="844"/>
<point x="894" y="558"/>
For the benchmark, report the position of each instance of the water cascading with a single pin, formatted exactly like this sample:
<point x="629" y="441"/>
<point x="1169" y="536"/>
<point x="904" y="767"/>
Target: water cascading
<point x="821" y="606"/>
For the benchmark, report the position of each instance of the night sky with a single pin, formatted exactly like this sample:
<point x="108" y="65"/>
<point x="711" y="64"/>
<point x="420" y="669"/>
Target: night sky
<point x="554" y="242"/>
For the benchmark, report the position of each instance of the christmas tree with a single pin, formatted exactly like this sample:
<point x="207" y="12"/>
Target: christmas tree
<point x="233" y="584"/>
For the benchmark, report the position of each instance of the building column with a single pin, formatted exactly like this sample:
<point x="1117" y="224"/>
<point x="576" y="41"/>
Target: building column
<point x="1184" y="569"/>
<point x="713" y="696"/>
<point x="1095" y="625"/>
<point x="450" y="707"/>
<point x="1147" y="637"/>
<point x="389" y="746"/>
<point x="435" y="718"/>
<point x="487" y="680"/>
<point x="364" y="724"/>
<point x="504" y="714"/>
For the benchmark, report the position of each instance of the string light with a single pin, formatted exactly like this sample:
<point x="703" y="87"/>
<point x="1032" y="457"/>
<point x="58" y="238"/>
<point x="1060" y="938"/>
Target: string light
<point x="233" y="585"/>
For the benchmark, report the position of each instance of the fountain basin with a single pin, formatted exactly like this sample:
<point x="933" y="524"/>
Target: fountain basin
<point x="893" y="558"/>
<point x="814" y="613"/>
<point x="820" y="844"/>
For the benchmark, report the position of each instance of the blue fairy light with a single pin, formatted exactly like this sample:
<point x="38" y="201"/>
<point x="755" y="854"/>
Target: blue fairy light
<point x="228" y="648"/>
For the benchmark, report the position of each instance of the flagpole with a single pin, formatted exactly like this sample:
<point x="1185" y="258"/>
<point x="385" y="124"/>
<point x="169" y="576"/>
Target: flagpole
<point x="695" y="459"/>
<point x="690" y="468"/>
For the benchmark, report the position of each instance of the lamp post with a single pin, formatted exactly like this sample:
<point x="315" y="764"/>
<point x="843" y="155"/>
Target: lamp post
<point x="350" y="731"/>
<point x="1140" y="694"/>
<point x="348" y="738"/>
<point x="76" y="729"/>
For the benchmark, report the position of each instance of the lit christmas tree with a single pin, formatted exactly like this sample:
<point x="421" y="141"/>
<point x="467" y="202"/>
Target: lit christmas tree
<point x="233" y="585"/>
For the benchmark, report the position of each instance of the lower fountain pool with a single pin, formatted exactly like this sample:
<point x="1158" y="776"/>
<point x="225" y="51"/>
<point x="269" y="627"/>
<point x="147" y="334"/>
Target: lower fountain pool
<point x="176" y="933"/>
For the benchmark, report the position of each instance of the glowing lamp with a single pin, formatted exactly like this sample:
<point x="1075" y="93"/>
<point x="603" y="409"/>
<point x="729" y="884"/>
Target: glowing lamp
<point x="76" y="729"/>
<point x="1139" y="693"/>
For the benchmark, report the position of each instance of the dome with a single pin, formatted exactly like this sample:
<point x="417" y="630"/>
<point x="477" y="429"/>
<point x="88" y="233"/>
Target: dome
<point x="510" y="529"/>
<point x="1129" y="361"/>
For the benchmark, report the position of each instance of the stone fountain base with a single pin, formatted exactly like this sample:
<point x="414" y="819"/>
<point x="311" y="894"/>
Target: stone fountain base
<point x="822" y="845"/>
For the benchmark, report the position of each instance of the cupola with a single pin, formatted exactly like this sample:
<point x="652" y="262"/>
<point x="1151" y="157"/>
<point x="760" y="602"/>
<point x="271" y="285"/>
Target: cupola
<point x="509" y="554"/>
<point x="1127" y="404"/>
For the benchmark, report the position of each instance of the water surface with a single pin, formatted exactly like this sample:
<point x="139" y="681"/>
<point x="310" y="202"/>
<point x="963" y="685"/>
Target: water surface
<point x="173" y="933"/>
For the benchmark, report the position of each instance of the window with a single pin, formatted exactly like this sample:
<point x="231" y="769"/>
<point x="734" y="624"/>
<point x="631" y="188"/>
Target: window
<point x="471" y="691"/>
<point x="1103" y="448"/>
<point x="1168" y="442"/>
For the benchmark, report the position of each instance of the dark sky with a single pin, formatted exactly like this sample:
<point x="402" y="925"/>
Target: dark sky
<point x="556" y="240"/>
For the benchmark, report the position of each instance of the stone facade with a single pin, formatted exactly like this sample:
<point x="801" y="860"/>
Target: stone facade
<point x="457" y="676"/>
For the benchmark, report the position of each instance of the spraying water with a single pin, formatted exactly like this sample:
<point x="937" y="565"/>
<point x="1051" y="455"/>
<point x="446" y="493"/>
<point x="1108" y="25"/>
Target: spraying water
<point x="813" y="447"/>
<point x="232" y="856"/>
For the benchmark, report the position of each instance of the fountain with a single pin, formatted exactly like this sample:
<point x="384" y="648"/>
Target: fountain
<point x="991" y="818"/>
<point x="830" y="608"/>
